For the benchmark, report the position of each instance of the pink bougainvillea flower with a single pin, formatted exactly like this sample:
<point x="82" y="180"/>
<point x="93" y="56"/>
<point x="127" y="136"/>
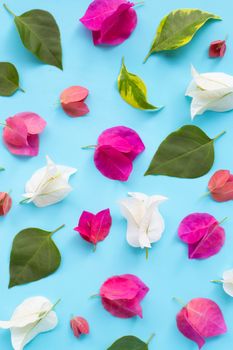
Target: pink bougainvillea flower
<point x="117" y="148"/>
<point x="21" y="133"/>
<point x="5" y="203"/>
<point x="79" y="326"/>
<point x="111" y="21"/>
<point x="221" y="186"/>
<point x="203" y="234"/>
<point x="94" y="228"/>
<point x="217" y="48"/>
<point x="121" y="295"/>
<point x="72" y="101"/>
<point x="201" y="319"/>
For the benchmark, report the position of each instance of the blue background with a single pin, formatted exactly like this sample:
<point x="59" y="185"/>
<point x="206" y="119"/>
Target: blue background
<point x="168" y="272"/>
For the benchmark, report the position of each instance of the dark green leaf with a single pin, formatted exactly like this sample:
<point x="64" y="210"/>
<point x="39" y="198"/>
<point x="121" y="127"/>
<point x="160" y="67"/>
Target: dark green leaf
<point x="178" y="28"/>
<point x="40" y="34"/>
<point x="9" y="79"/>
<point x="133" y="90"/>
<point x="129" y="343"/>
<point x="185" y="153"/>
<point x="34" y="255"/>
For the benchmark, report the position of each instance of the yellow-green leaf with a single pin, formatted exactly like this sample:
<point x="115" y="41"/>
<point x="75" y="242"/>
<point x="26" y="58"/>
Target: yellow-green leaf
<point x="178" y="28"/>
<point x="133" y="90"/>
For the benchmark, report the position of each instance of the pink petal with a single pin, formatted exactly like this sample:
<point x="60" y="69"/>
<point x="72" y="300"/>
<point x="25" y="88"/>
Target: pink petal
<point x="84" y="226"/>
<point x="118" y="27"/>
<point x="224" y="194"/>
<point x="79" y="326"/>
<point x="119" y="287"/>
<point x="187" y="329"/>
<point x="101" y="225"/>
<point x="217" y="48"/>
<point x="123" y="139"/>
<point x="112" y="163"/>
<point x="30" y="150"/>
<point x="122" y="308"/>
<point x="209" y="245"/>
<point x="121" y="295"/>
<point x="195" y="226"/>
<point x="98" y="11"/>
<point x="218" y="180"/>
<point x="74" y="94"/>
<point x="34" y="123"/>
<point x="15" y="133"/>
<point x="206" y="317"/>
<point x="75" y="109"/>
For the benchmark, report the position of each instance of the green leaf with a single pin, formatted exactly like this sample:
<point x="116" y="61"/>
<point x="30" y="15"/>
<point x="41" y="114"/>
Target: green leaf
<point x="9" y="79"/>
<point x="129" y="343"/>
<point x="185" y="153"/>
<point x="34" y="256"/>
<point x="133" y="90"/>
<point x="178" y="28"/>
<point x="40" y="34"/>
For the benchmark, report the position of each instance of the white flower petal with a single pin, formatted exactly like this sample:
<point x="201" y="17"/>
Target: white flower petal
<point x="31" y="317"/>
<point x="145" y="223"/>
<point x="228" y="282"/>
<point x="210" y="91"/>
<point x="49" y="184"/>
<point x="22" y="336"/>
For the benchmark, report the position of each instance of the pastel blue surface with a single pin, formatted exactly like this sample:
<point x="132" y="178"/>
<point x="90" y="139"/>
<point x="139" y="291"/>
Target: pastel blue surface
<point x="168" y="272"/>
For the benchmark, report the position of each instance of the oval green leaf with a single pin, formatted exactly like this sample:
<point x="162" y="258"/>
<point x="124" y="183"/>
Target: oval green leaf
<point x="133" y="90"/>
<point x="34" y="256"/>
<point x="178" y="28"/>
<point x="9" y="79"/>
<point x="40" y="34"/>
<point x="128" y="343"/>
<point x="185" y="153"/>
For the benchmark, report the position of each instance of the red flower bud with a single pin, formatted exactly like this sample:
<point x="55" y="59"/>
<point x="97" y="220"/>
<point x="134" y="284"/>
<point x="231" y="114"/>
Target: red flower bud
<point x="221" y="186"/>
<point x="217" y="48"/>
<point x="5" y="203"/>
<point x="79" y="326"/>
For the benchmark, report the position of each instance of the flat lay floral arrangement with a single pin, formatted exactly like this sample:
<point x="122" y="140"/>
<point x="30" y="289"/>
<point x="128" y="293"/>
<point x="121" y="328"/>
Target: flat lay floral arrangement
<point x="116" y="175"/>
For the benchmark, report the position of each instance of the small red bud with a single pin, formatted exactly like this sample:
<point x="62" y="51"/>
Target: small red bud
<point x="79" y="326"/>
<point x="5" y="203"/>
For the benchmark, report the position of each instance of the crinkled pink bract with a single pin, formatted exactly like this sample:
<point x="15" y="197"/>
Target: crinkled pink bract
<point x="202" y="233"/>
<point x="79" y="326"/>
<point x="117" y="148"/>
<point x="201" y="319"/>
<point x="94" y="228"/>
<point x="5" y="203"/>
<point x="111" y="21"/>
<point x="221" y="186"/>
<point x="21" y="133"/>
<point x="121" y="295"/>
<point x="72" y="101"/>
<point x="217" y="48"/>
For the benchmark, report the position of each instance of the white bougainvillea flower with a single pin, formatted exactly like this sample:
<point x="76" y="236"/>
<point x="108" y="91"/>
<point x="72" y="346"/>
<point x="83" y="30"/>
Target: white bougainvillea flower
<point x="49" y="184"/>
<point x="210" y="92"/>
<point x="35" y="315"/>
<point x="227" y="282"/>
<point x="145" y="223"/>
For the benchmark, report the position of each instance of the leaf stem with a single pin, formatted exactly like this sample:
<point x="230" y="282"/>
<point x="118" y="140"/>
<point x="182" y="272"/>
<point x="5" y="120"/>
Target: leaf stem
<point x="94" y="248"/>
<point x="94" y="296"/>
<point x="24" y="201"/>
<point x="140" y="3"/>
<point x="57" y="229"/>
<point x="179" y="301"/>
<point x="223" y="220"/>
<point x="147" y="253"/>
<point x="57" y="302"/>
<point x="21" y="89"/>
<point x="219" y="135"/>
<point x="150" y="339"/>
<point x="217" y="281"/>
<point x="89" y="147"/>
<point x="8" y="10"/>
